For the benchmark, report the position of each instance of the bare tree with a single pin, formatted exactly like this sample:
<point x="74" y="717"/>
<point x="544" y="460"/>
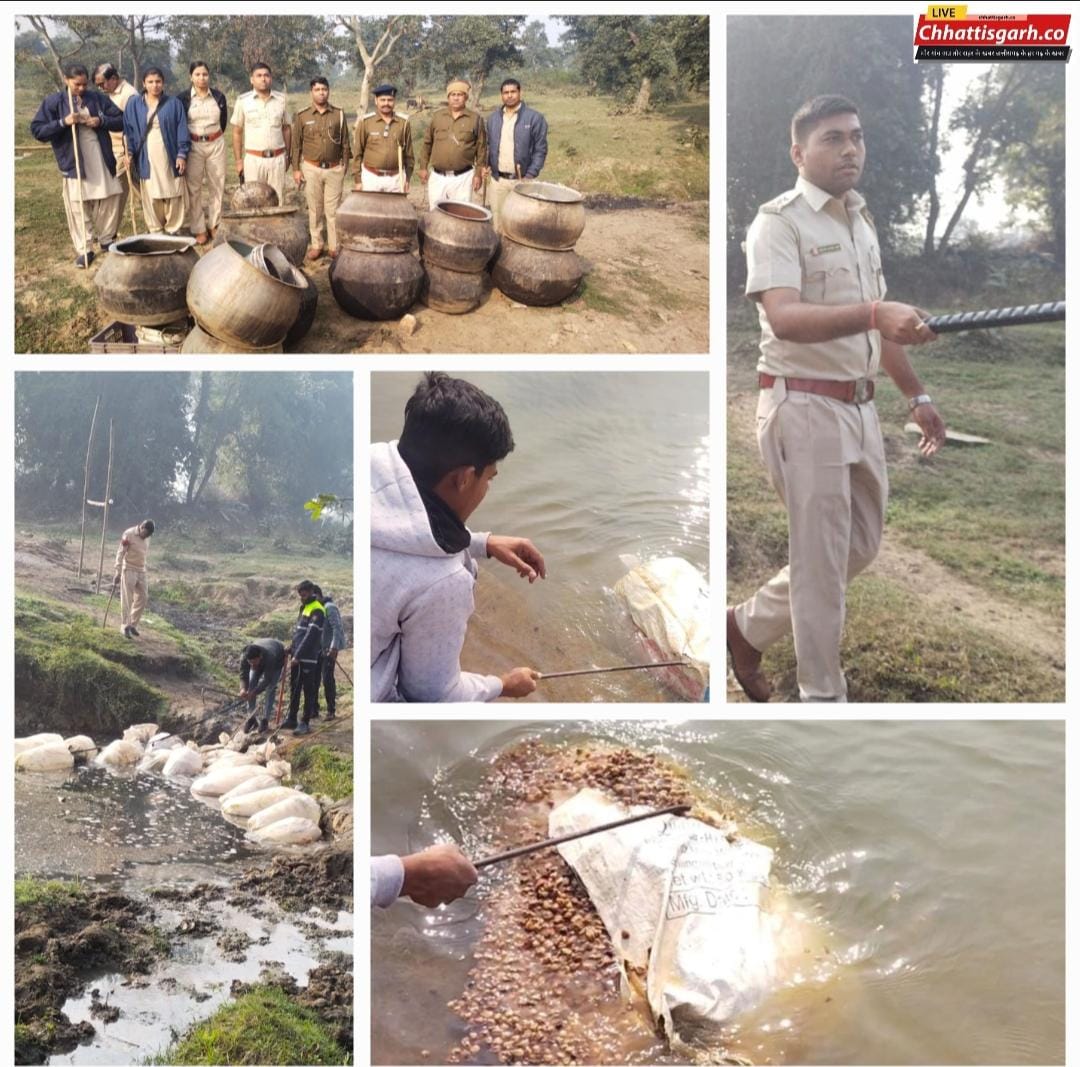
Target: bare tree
<point x="937" y="89"/>
<point x="395" y="27"/>
<point x="135" y="28"/>
<point x="59" y="58"/>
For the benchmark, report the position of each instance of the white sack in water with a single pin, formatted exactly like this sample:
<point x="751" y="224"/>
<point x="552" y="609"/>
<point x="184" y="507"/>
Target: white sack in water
<point x="292" y="831"/>
<point x="81" y="747"/>
<point x="24" y="744"/>
<point x="182" y="763"/>
<point x="163" y="741"/>
<point x="692" y="903"/>
<point x="154" y="760"/>
<point x="52" y="756"/>
<point x="252" y="785"/>
<point x="669" y="602"/>
<point x="119" y="754"/>
<point x="300" y="806"/>
<point x="243" y="806"/>
<point x="141" y="732"/>
<point x="221" y="781"/>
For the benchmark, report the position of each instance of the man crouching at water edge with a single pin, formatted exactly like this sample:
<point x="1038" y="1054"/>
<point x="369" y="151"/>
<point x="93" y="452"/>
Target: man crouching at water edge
<point x="423" y="557"/>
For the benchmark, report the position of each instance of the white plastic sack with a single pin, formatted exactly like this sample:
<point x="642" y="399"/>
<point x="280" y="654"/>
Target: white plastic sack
<point x="163" y="741"/>
<point x="684" y="907"/>
<point x="141" y="732"/>
<point x="182" y="763"/>
<point x="24" y="744"/>
<point x="220" y="781"/>
<point x="669" y="602"/>
<point x="229" y="758"/>
<point x="52" y="756"/>
<point x="279" y="768"/>
<point x="119" y="754"/>
<point x="81" y="747"/>
<point x="299" y="806"/>
<point x="250" y="785"/>
<point x="244" y="806"/>
<point x="292" y="831"/>
<point x="154" y="761"/>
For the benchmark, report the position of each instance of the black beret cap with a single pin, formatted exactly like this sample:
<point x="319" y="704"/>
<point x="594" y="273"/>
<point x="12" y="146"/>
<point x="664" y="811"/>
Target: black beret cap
<point x="386" y="90"/>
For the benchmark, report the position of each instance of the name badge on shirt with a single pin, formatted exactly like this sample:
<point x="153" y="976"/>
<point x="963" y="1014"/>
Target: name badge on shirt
<point x="820" y="250"/>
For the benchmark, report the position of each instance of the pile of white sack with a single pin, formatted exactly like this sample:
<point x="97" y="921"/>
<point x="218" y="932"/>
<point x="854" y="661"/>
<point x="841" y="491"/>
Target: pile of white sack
<point x="245" y="784"/>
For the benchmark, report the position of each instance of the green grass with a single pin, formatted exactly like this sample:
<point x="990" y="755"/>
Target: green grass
<point x="46" y="893"/>
<point x="263" y="1026"/>
<point x="276" y="624"/>
<point x="323" y="770"/>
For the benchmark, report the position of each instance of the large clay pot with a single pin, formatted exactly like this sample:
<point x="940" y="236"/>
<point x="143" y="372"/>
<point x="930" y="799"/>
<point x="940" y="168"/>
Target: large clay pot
<point x="199" y="342"/>
<point x="252" y="196"/>
<point x="234" y="301"/>
<point x="376" y="222"/>
<point x="284" y="227"/>
<point x="374" y="286"/>
<point x="457" y="236"/>
<point x="535" y="276"/>
<point x="543" y="215"/>
<point x="309" y="304"/>
<point x="143" y="279"/>
<point x="453" y="292"/>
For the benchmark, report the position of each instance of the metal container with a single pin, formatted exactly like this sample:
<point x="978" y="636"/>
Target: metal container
<point x="535" y="276"/>
<point x="234" y="301"/>
<point x="284" y="227"/>
<point x="376" y="286"/>
<point x="309" y="304"/>
<point x="453" y="292"/>
<point x="457" y="236"/>
<point x="376" y="222"/>
<point x="543" y="215"/>
<point x="143" y="279"/>
<point x="252" y="196"/>
<point x="199" y="342"/>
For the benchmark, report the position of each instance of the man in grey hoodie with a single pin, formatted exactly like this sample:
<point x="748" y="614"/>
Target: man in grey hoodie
<point x="423" y="557"/>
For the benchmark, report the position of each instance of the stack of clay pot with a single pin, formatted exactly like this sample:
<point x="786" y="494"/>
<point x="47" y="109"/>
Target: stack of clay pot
<point x="143" y="280"/>
<point x="256" y="218"/>
<point x="244" y="298"/>
<point x="541" y="222"/>
<point x="457" y="241"/>
<point x="375" y="275"/>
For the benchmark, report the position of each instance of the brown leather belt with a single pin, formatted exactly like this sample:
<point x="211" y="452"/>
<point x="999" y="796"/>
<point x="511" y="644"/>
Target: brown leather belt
<point x="208" y="136"/>
<point x="452" y="173"/>
<point x="266" y="153"/>
<point x="321" y="166"/>
<point x="381" y="173"/>
<point x="859" y="391"/>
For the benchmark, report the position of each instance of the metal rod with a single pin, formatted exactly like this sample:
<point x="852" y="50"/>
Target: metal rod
<point x="606" y="670"/>
<point x="524" y="850"/>
<point x="984" y="320"/>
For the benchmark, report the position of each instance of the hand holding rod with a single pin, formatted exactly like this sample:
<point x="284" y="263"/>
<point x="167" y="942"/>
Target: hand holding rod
<point x="524" y="850"/>
<point x="984" y="320"/>
<point x="607" y="670"/>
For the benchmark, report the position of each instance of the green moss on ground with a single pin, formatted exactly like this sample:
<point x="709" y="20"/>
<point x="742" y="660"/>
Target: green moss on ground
<point x="263" y="1026"/>
<point x="48" y="893"/>
<point x="323" y="770"/>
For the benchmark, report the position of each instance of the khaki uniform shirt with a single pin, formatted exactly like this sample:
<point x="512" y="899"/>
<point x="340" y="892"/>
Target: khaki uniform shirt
<point x="123" y="93"/>
<point x="506" y="140"/>
<point x="262" y="120"/>
<point x="827" y="249"/>
<point x="204" y="115"/>
<point x="320" y="137"/>
<point x="454" y="143"/>
<point x="377" y="143"/>
<point x="135" y="557"/>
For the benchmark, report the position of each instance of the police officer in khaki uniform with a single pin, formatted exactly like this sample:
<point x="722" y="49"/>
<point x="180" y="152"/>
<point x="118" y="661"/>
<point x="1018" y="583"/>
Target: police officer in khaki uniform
<point x="814" y="269"/>
<point x="261" y="132"/>
<point x="455" y="149"/>
<point x="320" y="159"/>
<point x="384" y="149"/>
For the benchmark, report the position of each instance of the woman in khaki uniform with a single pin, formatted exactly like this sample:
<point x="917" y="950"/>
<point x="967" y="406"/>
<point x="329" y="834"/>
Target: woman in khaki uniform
<point x="156" y="129"/>
<point x="207" y="117"/>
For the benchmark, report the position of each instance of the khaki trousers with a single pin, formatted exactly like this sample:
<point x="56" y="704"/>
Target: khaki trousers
<point x="204" y="184"/>
<point x="498" y="190"/>
<point x="101" y="218"/>
<point x="826" y="459"/>
<point x="272" y="171"/>
<point x="132" y="596"/>
<point x="323" y="191"/>
<point x="161" y="214"/>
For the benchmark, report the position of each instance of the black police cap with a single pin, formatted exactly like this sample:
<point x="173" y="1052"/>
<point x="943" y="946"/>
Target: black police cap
<point x="386" y="90"/>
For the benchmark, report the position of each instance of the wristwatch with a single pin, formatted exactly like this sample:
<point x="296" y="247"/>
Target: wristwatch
<point x="915" y="401"/>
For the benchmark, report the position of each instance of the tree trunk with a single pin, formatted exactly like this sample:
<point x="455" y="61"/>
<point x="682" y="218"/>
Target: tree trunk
<point x="365" y="88"/>
<point x="478" y="88"/>
<point x="935" y="204"/>
<point x="202" y="407"/>
<point x="641" y="103"/>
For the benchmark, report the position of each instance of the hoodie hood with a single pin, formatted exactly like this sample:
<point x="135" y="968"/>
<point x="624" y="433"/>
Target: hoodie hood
<point x="399" y="520"/>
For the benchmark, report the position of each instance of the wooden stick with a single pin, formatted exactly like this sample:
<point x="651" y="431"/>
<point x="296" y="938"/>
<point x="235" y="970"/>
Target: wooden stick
<point x="401" y="167"/>
<point x="105" y="510"/>
<point x="608" y="670"/>
<point x="86" y="485"/>
<point x="131" y="185"/>
<point x="524" y="850"/>
<point x="78" y="176"/>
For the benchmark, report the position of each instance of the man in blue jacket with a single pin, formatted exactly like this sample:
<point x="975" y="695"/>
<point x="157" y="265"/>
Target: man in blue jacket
<point x="517" y="146"/>
<point x="93" y="198"/>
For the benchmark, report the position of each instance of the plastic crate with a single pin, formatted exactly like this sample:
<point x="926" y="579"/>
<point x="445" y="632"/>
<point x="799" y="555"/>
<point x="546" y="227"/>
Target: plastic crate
<point x="121" y="337"/>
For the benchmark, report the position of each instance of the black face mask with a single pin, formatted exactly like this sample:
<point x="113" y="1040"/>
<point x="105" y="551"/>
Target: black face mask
<point x="448" y="530"/>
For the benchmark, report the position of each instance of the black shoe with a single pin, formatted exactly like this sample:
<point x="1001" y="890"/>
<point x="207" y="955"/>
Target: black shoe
<point x="134" y="631"/>
<point x="127" y="632"/>
<point x="264" y="725"/>
<point x="303" y="728"/>
<point x="289" y="724"/>
<point x="84" y="261"/>
<point x="330" y="715"/>
<point x="313" y="715"/>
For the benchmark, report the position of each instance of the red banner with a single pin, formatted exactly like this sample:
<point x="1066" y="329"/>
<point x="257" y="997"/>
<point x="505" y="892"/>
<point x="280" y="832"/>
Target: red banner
<point x="994" y="31"/>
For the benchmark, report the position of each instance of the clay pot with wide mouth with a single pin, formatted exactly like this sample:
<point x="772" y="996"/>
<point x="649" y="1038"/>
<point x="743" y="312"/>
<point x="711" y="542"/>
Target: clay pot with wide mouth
<point x="253" y="196"/>
<point x="284" y="227"/>
<point x="457" y="236"/>
<point x="453" y="292"/>
<point x="376" y="222"/>
<point x="535" y="276"/>
<point x="376" y="286"/>
<point x="143" y="280"/>
<point x="543" y="215"/>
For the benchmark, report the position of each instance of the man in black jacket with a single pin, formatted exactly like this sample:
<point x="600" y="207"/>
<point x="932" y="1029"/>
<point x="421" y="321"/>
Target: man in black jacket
<point x="306" y="654"/>
<point x="260" y="672"/>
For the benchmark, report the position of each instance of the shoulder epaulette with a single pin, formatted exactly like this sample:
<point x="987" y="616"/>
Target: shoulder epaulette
<point x="777" y="204"/>
<point x="401" y="115"/>
<point x="370" y="114"/>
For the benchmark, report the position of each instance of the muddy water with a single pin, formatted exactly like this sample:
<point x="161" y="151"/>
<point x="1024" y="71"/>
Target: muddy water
<point x="136" y="832"/>
<point x="928" y="858"/>
<point x="604" y="464"/>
